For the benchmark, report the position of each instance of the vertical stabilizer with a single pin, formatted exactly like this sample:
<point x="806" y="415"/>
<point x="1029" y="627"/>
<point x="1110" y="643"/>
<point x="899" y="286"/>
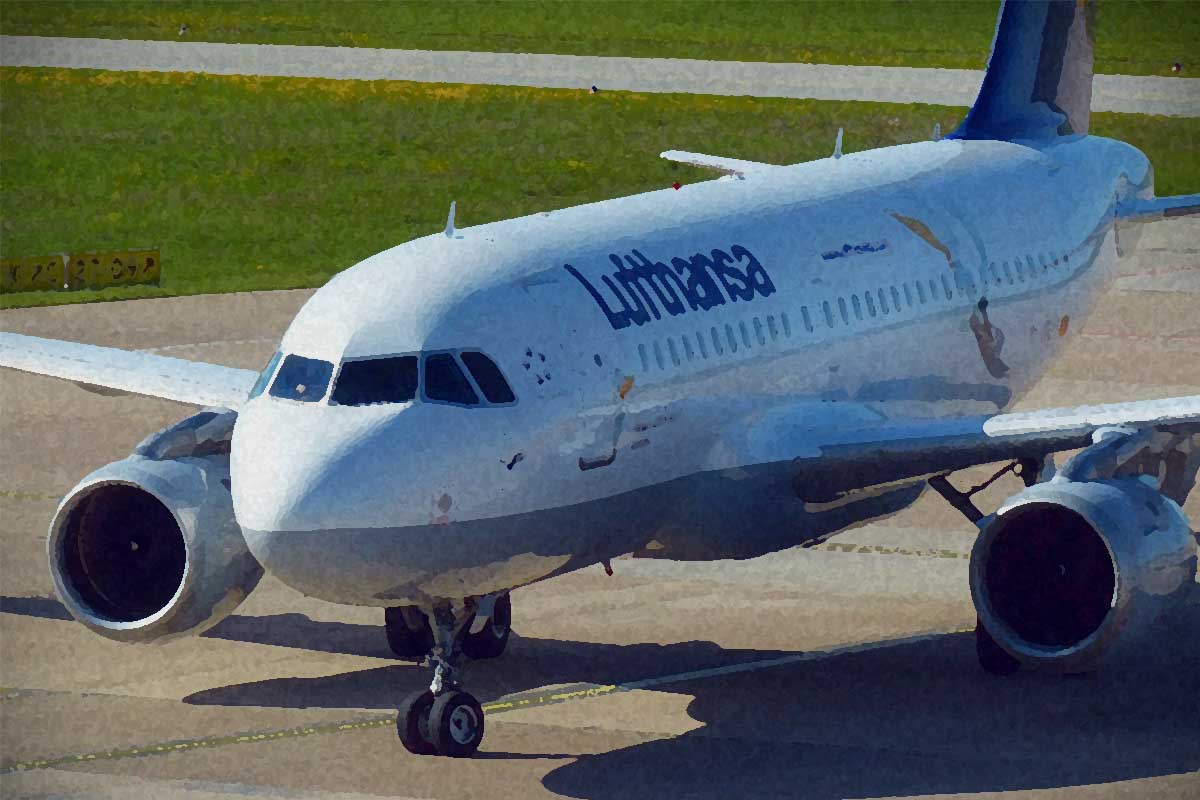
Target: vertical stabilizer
<point x="1039" y="76"/>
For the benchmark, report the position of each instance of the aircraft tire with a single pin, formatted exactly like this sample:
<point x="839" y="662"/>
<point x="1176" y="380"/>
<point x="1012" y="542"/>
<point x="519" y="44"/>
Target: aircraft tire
<point x="493" y="639"/>
<point x="456" y="724"/>
<point x="405" y="642"/>
<point x="412" y="721"/>
<point x="992" y="657"/>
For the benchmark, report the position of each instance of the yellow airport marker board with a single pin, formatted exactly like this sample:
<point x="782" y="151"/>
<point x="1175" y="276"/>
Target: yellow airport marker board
<point x="114" y="268"/>
<point x="39" y="273"/>
<point x="76" y="271"/>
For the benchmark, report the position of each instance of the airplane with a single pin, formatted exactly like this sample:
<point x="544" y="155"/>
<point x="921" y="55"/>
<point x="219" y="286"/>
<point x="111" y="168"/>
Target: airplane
<point x="717" y="371"/>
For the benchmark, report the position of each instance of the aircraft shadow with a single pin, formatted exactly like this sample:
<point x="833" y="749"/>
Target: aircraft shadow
<point x="914" y="719"/>
<point x="917" y="718"/>
<point x="528" y="664"/>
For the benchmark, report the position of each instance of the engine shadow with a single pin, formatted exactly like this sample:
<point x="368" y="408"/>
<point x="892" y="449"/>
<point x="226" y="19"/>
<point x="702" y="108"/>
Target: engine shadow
<point x="301" y="632"/>
<point x="40" y="607"/>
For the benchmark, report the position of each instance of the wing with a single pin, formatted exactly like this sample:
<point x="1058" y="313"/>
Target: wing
<point x="730" y="166"/>
<point x="840" y="447"/>
<point x="1182" y="205"/>
<point x="124" y="371"/>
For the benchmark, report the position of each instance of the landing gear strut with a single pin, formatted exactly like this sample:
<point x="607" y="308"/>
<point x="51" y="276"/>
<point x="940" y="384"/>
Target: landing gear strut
<point x="410" y="635"/>
<point x="443" y="719"/>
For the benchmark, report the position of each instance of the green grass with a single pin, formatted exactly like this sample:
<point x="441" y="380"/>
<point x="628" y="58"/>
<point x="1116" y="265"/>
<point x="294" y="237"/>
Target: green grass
<point x="1141" y="38"/>
<point x="268" y="183"/>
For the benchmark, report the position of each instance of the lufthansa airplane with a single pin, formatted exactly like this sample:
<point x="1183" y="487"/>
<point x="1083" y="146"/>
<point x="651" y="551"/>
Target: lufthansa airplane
<point x="719" y="371"/>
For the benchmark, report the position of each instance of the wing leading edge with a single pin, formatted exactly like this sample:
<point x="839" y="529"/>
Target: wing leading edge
<point x="175" y="379"/>
<point x="856" y="448"/>
<point x="1181" y="205"/>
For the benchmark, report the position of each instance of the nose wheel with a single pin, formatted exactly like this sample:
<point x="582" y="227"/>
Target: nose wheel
<point x="443" y="719"/>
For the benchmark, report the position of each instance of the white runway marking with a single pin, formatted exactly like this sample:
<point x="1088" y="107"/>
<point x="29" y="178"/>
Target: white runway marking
<point x="952" y="87"/>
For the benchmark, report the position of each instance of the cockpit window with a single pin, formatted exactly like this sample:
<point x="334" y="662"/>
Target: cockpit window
<point x="303" y="379"/>
<point x="265" y="376"/>
<point x="488" y="377"/>
<point x="445" y="381"/>
<point x="376" y="380"/>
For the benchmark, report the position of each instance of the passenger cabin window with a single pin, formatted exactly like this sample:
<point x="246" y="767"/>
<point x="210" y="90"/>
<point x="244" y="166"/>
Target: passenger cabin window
<point x="376" y="380"/>
<point x="488" y="377"/>
<point x="265" y="376"/>
<point x="446" y="383"/>
<point x="303" y="379"/>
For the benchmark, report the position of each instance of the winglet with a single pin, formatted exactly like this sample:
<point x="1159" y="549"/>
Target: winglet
<point x="837" y="145"/>
<point x="450" y="221"/>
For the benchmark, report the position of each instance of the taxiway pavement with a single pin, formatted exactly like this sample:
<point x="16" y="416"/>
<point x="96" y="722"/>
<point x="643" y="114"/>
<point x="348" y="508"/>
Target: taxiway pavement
<point x="1134" y="94"/>
<point x="840" y="671"/>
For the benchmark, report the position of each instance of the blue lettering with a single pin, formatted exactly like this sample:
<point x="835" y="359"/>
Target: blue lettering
<point x="704" y="282"/>
<point x="702" y="290"/>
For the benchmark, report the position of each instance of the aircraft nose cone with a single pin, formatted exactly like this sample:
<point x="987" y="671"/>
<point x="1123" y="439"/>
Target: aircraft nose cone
<point x="275" y="475"/>
<point x="297" y="468"/>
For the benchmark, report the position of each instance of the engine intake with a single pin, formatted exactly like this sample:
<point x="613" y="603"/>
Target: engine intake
<point x="148" y="548"/>
<point x="1068" y="572"/>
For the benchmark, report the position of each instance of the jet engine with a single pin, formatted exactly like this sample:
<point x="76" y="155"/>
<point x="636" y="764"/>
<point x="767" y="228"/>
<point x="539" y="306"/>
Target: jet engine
<point x="1068" y="572"/>
<point x="147" y="548"/>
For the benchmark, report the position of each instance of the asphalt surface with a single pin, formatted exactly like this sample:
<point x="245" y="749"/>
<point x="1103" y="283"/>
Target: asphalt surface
<point x="952" y="87"/>
<point x="843" y="671"/>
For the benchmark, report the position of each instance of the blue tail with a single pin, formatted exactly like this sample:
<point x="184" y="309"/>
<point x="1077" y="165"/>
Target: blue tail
<point x="1039" y="76"/>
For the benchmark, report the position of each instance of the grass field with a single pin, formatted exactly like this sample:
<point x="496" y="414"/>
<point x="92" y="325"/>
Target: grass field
<point x="267" y="183"/>
<point x="1137" y="38"/>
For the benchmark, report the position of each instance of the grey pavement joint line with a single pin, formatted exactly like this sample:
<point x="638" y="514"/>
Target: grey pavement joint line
<point x="953" y="87"/>
<point x="554" y="697"/>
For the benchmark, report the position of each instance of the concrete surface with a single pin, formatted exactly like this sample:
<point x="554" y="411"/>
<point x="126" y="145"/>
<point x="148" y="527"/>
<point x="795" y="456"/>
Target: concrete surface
<point x="951" y="87"/>
<point x="842" y="671"/>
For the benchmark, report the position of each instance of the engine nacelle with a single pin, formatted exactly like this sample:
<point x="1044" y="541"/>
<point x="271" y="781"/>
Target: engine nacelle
<point x="1069" y="572"/>
<point x="147" y="548"/>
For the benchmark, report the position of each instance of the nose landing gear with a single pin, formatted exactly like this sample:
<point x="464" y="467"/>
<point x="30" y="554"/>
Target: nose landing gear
<point x="443" y="719"/>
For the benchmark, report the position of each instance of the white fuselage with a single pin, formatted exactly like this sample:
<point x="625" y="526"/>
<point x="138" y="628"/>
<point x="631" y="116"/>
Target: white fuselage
<point x="652" y="343"/>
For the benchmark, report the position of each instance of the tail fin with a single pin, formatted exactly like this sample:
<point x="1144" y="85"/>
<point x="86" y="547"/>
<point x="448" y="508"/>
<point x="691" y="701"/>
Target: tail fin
<point x="1038" y="82"/>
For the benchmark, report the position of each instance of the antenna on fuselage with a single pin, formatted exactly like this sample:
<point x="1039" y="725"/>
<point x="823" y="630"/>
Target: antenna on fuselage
<point x="937" y="131"/>
<point x="837" y="145"/>
<point x="450" y="221"/>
